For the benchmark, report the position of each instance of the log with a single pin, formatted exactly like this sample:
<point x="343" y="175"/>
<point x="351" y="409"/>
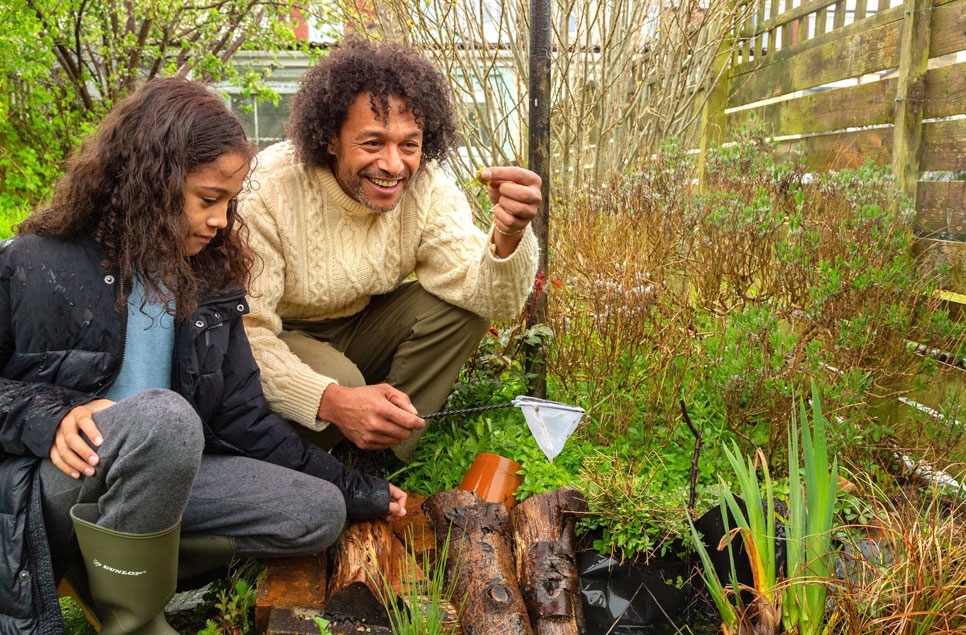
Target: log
<point x="543" y="545"/>
<point x="417" y="544"/>
<point x="413" y="587"/>
<point x="370" y="555"/>
<point x="415" y="532"/>
<point x="362" y="557"/>
<point x="475" y="537"/>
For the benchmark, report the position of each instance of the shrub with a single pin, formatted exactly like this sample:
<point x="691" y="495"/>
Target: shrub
<point x="730" y="299"/>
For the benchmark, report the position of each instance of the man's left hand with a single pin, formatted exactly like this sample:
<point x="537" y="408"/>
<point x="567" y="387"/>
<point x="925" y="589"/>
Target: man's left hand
<point x="516" y="197"/>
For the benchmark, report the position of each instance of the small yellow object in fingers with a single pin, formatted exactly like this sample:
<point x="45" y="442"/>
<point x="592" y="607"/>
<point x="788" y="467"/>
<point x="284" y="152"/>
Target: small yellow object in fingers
<point x="479" y="178"/>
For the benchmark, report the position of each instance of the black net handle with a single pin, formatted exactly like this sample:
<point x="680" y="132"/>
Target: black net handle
<point x="465" y="411"/>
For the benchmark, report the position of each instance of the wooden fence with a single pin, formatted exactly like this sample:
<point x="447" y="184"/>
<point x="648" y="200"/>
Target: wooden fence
<point x="848" y="84"/>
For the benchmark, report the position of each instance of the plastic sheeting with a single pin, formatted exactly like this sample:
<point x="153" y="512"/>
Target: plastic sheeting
<point x="621" y="598"/>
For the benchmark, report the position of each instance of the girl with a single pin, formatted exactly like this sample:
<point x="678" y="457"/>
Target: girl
<point x="132" y="421"/>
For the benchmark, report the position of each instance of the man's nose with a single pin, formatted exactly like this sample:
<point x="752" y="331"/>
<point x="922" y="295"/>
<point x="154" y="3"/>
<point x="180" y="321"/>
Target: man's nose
<point x="390" y="160"/>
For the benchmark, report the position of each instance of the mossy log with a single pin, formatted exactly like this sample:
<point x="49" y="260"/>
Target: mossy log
<point x="477" y="537"/>
<point x="543" y="544"/>
<point x="361" y="558"/>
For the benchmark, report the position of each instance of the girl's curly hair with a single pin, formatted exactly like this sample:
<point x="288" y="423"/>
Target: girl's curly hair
<point x="321" y="105"/>
<point x="125" y="187"/>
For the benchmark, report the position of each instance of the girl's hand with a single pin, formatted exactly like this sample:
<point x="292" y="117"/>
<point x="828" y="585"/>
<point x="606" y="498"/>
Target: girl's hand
<point x="397" y="502"/>
<point x="70" y="452"/>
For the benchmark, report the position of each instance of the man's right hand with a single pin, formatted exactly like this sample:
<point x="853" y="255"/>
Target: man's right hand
<point x="371" y="417"/>
<point x="69" y="451"/>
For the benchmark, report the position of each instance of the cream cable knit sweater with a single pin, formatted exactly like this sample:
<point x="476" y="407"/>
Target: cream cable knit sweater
<point x="323" y="255"/>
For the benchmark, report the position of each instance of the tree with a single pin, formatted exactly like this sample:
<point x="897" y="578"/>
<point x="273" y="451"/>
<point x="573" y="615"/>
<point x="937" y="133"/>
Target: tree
<point x="67" y="61"/>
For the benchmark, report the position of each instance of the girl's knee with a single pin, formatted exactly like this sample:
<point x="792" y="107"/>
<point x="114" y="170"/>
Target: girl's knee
<point x="159" y="420"/>
<point x="173" y="411"/>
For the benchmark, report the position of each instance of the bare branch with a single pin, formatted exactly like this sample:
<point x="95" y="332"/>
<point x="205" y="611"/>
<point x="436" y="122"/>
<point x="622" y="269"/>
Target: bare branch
<point x="64" y="58"/>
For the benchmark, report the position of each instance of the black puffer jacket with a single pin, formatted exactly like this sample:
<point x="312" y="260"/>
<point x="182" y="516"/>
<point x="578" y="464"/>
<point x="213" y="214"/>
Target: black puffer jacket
<point x="61" y="345"/>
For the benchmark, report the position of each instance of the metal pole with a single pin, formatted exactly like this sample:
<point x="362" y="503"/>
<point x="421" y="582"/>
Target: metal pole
<point x="539" y="162"/>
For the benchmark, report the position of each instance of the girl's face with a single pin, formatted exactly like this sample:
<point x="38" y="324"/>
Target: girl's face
<point x="207" y="192"/>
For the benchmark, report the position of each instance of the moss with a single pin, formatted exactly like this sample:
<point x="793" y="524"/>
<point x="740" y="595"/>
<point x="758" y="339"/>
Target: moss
<point x="75" y="623"/>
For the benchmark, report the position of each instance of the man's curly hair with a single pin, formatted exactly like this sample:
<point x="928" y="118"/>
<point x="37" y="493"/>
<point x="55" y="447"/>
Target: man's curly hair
<point x="321" y="105"/>
<point x="125" y="188"/>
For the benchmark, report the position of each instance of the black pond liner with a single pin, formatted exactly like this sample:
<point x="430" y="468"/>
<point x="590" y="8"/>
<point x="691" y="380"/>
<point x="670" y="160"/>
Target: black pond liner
<point x="619" y="597"/>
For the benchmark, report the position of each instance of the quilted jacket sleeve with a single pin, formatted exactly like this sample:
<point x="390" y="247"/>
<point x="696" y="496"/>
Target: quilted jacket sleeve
<point x="29" y="411"/>
<point x="240" y="422"/>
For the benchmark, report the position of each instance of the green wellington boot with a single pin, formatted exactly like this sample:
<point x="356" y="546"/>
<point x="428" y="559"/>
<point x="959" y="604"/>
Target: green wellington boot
<point x="131" y="576"/>
<point x="203" y="558"/>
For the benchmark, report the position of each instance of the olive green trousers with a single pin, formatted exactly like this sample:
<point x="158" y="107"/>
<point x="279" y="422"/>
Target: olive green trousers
<point x="408" y="338"/>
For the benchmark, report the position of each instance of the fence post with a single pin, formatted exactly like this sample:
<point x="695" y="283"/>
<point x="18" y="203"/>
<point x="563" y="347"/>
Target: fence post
<point x="713" y="111"/>
<point x="911" y="91"/>
<point x="539" y="159"/>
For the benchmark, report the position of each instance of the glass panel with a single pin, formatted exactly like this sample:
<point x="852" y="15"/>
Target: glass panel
<point x="271" y="121"/>
<point x="243" y="107"/>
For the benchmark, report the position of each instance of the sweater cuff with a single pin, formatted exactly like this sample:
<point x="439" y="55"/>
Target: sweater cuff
<point x="523" y="258"/>
<point x="301" y="398"/>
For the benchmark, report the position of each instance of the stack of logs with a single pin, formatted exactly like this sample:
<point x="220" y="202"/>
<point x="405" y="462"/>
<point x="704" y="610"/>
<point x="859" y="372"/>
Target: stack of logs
<point x="512" y="570"/>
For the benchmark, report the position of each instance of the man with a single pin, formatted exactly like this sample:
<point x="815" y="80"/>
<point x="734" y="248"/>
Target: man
<point x="342" y="215"/>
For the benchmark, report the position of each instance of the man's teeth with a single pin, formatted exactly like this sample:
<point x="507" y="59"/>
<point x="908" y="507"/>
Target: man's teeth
<point x="383" y="182"/>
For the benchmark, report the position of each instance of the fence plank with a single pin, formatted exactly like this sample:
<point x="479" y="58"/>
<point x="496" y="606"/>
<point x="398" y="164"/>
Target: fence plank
<point x="821" y="21"/>
<point x="846" y="54"/>
<point x="840" y="150"/>
<point x="944" y="146"/>
<point x="933" y="253"/>
<point x="787" y="29"/>
<point x="868" y="104"/>
<point x="941" y="209"/>
<point x="838" y="109"/>
<point x="948" y="27"/>
<point x="946" y="91"/>
<point x="839" y="20"/>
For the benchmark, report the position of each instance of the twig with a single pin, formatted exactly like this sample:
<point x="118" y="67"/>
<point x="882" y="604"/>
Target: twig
<point x="692" y="493"/>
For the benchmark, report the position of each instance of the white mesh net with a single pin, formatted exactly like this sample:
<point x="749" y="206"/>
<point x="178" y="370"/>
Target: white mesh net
<point x="550" y="422"/>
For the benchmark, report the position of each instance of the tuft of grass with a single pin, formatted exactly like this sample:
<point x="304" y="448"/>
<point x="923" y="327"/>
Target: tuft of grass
<point x="813" y="494"/>
<point x="423" y="602"/>
<point x="904" y="573"/>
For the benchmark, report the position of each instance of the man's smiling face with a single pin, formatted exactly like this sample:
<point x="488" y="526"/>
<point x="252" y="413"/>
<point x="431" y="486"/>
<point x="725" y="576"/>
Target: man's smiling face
<point x="375" y="159"/>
